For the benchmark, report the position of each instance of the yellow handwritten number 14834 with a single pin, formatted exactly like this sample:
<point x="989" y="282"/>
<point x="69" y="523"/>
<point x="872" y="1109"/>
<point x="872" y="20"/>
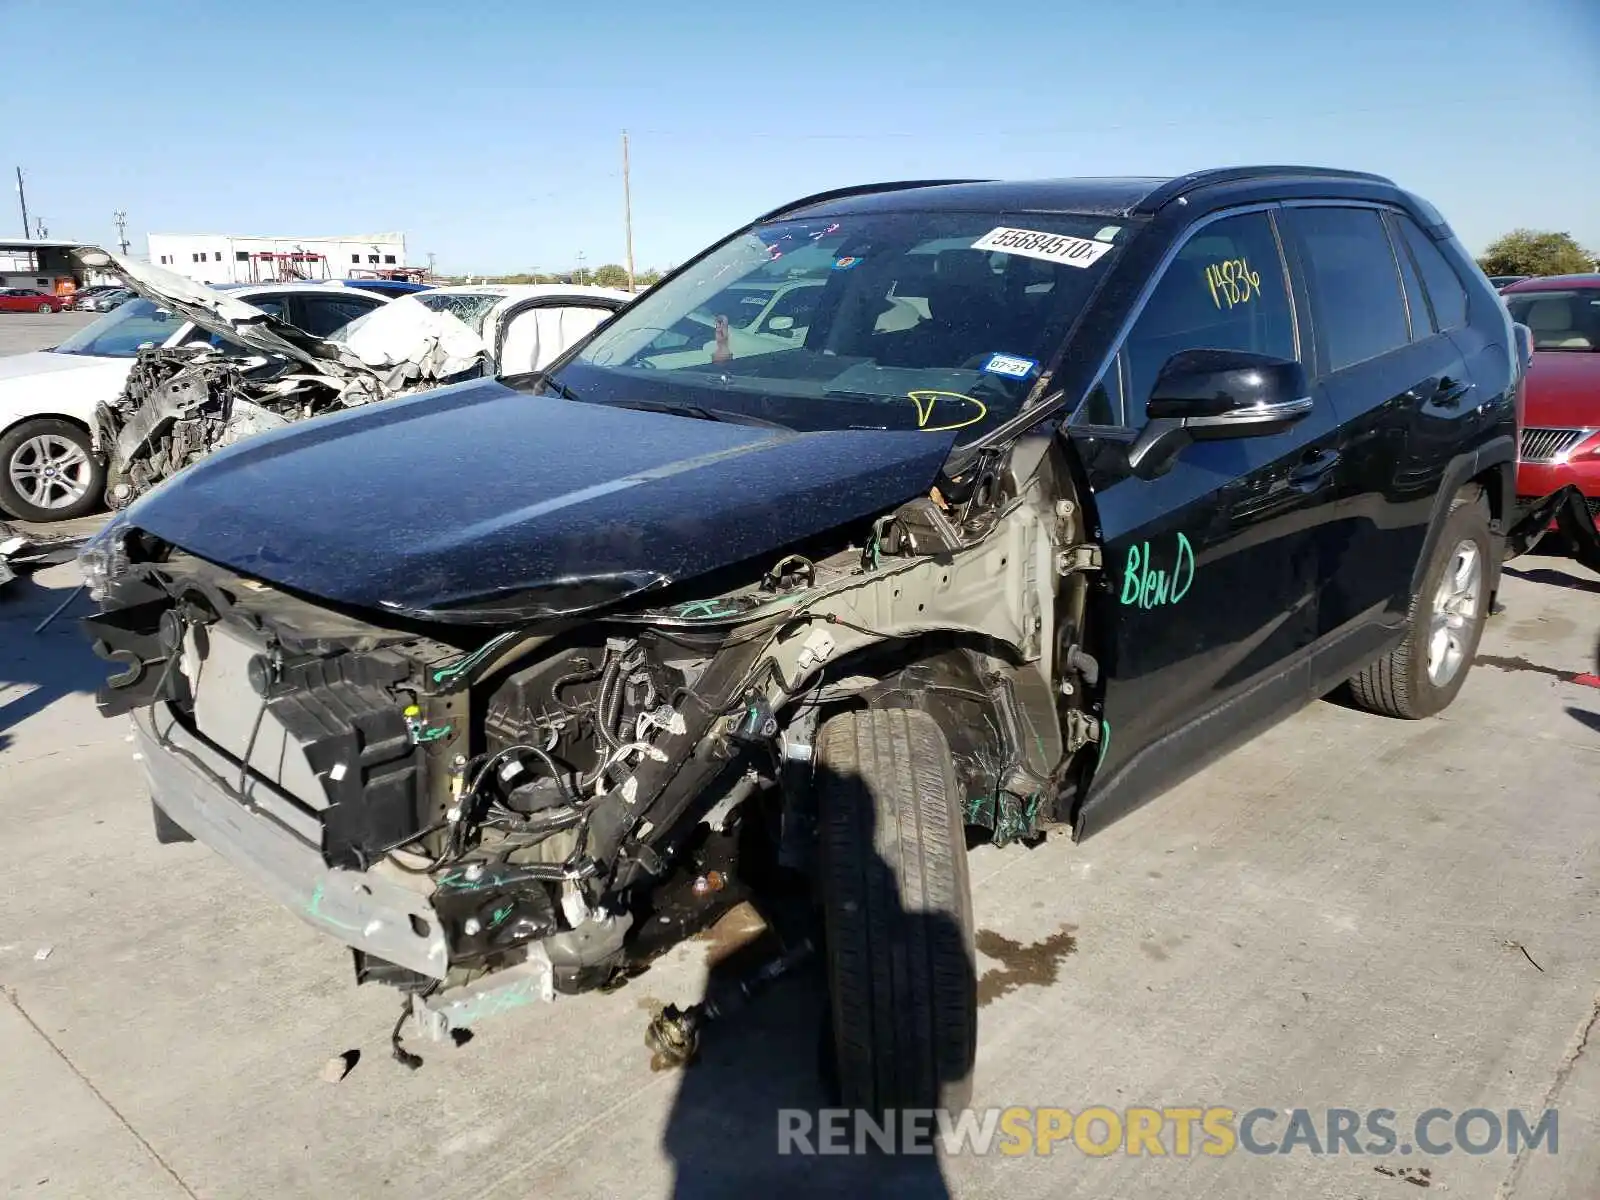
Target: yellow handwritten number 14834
<point x="1233" y="282"/>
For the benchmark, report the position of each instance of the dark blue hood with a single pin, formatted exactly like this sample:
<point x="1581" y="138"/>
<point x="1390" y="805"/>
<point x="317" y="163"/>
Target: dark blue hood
<point x="501" y="505"/>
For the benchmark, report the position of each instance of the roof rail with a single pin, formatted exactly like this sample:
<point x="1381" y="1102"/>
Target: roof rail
<point x="861" y="189"/>
<point x="1219" y="175"/>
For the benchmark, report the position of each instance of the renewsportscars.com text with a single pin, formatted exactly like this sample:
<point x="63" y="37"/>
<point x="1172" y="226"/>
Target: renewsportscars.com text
<point x="1178" y="1132"/>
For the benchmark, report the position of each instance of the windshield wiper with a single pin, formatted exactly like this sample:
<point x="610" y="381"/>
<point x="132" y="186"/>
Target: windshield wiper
<point x="530" y="379"/>
<point x="726" y="416"/>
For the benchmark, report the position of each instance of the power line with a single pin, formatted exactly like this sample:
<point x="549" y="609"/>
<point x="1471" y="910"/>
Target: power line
<point x="627" y="208"/>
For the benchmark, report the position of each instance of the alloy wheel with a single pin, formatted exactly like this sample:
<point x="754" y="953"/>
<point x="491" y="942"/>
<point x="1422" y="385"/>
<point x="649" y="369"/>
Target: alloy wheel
<point x="1455" y="612"/>
<point x="50" y="471"/>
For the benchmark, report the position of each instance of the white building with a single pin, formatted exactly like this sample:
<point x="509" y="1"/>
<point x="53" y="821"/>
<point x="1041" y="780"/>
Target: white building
<point x="43" y="264"/>
<point x="230" y="258"/>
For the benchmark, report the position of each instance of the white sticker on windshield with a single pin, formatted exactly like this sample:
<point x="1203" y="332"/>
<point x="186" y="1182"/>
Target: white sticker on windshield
<point x="1051" y="247"/>
<point x="1012" y="366"/>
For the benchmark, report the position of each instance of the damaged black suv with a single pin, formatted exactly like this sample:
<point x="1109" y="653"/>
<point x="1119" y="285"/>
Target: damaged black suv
<point x="908" y="514"/>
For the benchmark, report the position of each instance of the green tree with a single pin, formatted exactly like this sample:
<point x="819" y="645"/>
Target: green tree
<point x="1535" y="252"/>
<point x="611" y="275"/>
<point x="650" y="278"/>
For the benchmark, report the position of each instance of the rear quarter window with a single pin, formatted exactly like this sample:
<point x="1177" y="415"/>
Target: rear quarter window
<point x="1446" y="295"/>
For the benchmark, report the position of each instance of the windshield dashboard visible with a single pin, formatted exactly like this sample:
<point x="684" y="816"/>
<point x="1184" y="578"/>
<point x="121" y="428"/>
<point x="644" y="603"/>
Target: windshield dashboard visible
<point x="940" y="322"/>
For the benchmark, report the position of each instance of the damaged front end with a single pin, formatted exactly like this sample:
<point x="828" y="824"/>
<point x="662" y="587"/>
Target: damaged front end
<point x="182" y="404"/>
<point x="492" y="815"/>
<point x="258" y="373"/>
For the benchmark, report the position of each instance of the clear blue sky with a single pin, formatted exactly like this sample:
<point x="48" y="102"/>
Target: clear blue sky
<point x="488" y="131"/>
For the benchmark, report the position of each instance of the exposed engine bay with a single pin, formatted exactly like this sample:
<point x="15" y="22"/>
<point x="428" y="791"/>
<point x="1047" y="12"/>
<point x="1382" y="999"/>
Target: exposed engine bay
<point x="492" y="815"/>
<point x="184" y="403"/>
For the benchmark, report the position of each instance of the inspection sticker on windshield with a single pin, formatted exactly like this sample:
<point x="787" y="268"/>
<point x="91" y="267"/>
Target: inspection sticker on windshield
<point x="1012" y="366"/>
<point x="1051" y="247"/>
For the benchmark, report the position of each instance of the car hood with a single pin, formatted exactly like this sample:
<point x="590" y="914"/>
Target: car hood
<point x="46" y="362"/>
<point x="477" y="503"/>
<point x="1563" y="390"/>
<point x="215" y="311"/>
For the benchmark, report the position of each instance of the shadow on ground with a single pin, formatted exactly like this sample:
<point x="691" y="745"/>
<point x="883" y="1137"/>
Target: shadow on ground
<point x="723" y="1132"/>
<point x="41" y="668"/>
<point x="1554" y="578"/>
<point x="1585" y="717"/>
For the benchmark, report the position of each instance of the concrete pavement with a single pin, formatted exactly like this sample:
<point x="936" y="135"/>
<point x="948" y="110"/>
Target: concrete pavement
<point x="34" y="331"/>
<point x="1334" y="916"/>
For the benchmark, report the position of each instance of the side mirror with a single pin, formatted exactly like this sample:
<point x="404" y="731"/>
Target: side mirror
<point x="1209" y="395"/>
<point x="1524" y="339"/>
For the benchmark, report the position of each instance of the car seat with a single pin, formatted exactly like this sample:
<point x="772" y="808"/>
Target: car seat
<point x="1553" y="327"/>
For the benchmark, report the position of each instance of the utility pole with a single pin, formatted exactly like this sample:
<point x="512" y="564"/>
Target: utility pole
<point x="22" y="198"/>
<point x="38" y="225"/>
<point x="120" y="217"/>
<point x="627" y="207"/>
<point x="582" y="278"/>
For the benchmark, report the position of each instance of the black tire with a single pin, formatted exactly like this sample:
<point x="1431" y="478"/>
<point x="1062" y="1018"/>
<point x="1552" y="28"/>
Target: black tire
<point x="47" y="307"/>
<point x="897" y="911"/>
<point x="1398" y="685"/>
<point x="11" y="445"/>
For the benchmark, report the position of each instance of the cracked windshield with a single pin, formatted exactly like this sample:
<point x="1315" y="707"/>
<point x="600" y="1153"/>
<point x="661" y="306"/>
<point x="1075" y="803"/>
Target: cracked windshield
<point x="940" y="322"/>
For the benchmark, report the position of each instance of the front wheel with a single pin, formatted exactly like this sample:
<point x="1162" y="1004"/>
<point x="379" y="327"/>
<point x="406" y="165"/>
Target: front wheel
<point x="1422" y="675"/>
<point x="897" y="912"/>
<point x="48" y="472"/>
<point x="47" y="307"/>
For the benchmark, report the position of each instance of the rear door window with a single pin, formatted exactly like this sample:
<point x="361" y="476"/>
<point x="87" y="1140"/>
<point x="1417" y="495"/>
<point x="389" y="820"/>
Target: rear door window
<point x="1354" y="281"/>
<point x="1225" y="290"/>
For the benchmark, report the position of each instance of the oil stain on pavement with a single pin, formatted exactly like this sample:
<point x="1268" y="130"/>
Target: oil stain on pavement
<point x="1037" y="964"/>
<point x="1500" y="663"/>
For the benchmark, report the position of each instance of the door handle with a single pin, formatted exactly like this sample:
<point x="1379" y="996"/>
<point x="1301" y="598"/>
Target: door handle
<point x="1312" y="469"/>
<point x="1449" y="393"/>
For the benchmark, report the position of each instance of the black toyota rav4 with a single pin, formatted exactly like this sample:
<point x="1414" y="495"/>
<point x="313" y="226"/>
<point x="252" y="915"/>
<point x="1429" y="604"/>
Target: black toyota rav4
<point x="907" y="515"/>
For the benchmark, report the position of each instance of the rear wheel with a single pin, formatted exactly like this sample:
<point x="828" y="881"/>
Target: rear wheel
<point x="48" y="471"/>
<point x="47" y="307"/>
<point x="1423" y="674"/>
<point x="898" y="912"/>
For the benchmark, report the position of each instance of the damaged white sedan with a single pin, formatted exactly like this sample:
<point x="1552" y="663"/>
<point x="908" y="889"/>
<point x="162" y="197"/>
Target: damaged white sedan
<point x="184" y="402"/>
<point x="49" y="470"/>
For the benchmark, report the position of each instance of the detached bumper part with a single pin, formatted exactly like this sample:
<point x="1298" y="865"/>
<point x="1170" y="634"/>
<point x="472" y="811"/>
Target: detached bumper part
<point x="1568" y="508"/>
<point x="529" y="982"/>
<point x="364" y="909"/>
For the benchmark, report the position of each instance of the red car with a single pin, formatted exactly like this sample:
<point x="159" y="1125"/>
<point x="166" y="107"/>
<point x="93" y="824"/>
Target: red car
<point x="1561" y="418"/>
<point x="28" y="300"/>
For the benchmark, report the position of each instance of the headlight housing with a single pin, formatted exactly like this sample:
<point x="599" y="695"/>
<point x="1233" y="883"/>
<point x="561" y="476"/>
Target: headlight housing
<point x="104" y="557"/>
